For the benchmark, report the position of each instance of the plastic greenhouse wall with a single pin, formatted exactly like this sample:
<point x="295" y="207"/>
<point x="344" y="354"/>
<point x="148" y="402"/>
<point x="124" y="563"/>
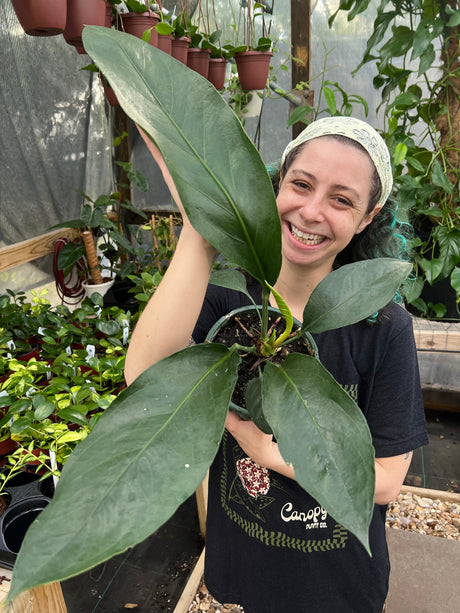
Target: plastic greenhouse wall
<point x="57" y="127"/>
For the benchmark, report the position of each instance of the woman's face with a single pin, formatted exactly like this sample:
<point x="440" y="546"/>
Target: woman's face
<point x="322" y="202"/>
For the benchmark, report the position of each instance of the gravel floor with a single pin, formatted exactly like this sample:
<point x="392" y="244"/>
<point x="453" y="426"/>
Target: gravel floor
<point x="408" y="512"/>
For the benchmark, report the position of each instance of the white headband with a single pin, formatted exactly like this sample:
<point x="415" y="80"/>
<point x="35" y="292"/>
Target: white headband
<point x="356" y="130"/>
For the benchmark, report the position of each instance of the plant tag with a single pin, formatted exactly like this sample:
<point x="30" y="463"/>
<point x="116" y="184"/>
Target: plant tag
<point x="90" y="352"/>
<point x="53" y="463"/>
<point x="125" y="325"/>
<point x="68" y="350"/>
<point x="41" y="331"/>
<point x="11" y="345"/>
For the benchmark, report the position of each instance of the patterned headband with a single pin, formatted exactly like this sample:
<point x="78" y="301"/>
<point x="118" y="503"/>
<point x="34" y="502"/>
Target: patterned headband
<point x="359" y="131"/>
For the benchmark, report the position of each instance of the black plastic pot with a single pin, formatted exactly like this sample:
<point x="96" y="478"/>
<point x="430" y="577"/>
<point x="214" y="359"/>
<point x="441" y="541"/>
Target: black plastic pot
<point x="27" y="496"/>
<point x="227" y="320"/>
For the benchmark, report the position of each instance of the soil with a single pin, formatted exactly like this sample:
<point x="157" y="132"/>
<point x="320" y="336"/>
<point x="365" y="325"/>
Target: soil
<point x="244" y="329"/>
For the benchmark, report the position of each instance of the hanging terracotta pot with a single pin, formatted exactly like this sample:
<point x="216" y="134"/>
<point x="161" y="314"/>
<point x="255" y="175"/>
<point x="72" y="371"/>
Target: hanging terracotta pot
<point x="109" y="93"/>
<point x="41" y="17"/>
<point x="137" y="23"/>
<point x="165" y="43"/>
<point x="198" y="60"/>
<point x="216" y="72"/>
<point x="253" y="68"/>
<point x="180" y="48"/>
<point x="82" y="13"/>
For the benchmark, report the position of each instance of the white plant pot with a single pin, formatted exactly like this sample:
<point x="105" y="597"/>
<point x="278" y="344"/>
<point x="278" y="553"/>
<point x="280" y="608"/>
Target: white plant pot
<point x="100" y="288"/>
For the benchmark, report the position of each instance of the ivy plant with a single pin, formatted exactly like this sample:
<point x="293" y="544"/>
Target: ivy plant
<point x="152" y="447"/>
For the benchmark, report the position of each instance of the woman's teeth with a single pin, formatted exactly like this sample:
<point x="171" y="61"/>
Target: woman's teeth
<point x="305" y="237"/>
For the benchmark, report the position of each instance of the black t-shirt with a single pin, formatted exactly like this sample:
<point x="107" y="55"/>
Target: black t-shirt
<point x="269" y="545"/>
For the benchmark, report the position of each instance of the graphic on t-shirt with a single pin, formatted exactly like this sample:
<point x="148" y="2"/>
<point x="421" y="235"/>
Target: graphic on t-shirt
<point x="248" y="491"/>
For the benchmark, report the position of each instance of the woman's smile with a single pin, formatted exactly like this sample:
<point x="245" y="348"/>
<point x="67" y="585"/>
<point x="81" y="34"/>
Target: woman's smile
<point x="307" y="238"/>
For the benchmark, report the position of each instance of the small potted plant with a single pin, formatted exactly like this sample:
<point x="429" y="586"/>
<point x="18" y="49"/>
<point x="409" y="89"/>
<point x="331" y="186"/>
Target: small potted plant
<point x="137" y="18"/>
<point x="155" y="426"/>
<point x="253" y="59"/>
<point x="41" y="17"/>
<point x="104" y="249"/>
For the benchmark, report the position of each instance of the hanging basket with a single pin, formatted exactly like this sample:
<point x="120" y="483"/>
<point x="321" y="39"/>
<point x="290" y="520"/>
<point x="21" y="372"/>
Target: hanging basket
<point x="165" y="43"/>
<point x="180" y="48"/>
<point x="216" y="72"/>
<point x="198" y="60"/>
<point x="41" y="17"/>
<point x="253" y="68"/>
<point x="81" y="13"/>
<point x="137" y="23"/>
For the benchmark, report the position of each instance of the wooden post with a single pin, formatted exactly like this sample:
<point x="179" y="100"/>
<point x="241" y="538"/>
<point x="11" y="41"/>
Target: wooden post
<point x="301" y="48"/>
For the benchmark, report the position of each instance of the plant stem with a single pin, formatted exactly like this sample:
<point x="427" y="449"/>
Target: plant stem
<point x="265" y="302"/>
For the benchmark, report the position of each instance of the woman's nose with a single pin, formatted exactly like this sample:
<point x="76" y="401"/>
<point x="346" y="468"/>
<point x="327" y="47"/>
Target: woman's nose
<point x="313" y="207"/>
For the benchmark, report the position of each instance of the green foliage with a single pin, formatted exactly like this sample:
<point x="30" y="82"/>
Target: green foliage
<point x="415" y="46"/>
<point x="154" y="427"/>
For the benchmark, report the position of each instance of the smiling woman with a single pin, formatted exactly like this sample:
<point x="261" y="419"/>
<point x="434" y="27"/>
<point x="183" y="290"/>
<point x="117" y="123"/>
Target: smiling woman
<point x="333" y="186"/>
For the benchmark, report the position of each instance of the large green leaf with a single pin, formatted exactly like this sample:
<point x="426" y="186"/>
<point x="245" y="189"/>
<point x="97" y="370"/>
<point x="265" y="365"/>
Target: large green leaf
<point x="220" y="176"/>
<point x="322" y="432"/>
<point x="146" y="455"/>
<point x="353" y="292"/>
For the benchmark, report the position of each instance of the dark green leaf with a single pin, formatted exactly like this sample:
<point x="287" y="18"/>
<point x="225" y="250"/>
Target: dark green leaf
<point x="322" y="432"/>
<point x="73" y="415"/>
<point x="170" y="105"/>
<point x="130" y="467"/>
<point x="353" y="292"/>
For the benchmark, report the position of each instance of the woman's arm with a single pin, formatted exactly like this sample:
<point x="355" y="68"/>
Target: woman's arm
<point x="169" y="318"/>
<point x="389" y="476"/>
<point x="260" y="447"/>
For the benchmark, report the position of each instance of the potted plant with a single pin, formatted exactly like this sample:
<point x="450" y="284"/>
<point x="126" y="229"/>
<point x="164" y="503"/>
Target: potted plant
<point x="139" y="19"/>
<point x="253" y="60"/>
<point x="104" y="247"/>
<point x="181" y="40"/>
<point x="155" y="426"/>
<point x="41" y="17"/>
<point x="79" y="14"/>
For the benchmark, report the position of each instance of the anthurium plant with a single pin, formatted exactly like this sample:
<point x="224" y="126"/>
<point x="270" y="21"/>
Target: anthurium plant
<point x="152" y="447"/>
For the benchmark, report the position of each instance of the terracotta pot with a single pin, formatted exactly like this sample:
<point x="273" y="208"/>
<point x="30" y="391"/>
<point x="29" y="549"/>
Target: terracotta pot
<point x="198" y="60"/>
<point x="81" y="13"/>
<point x="137" y="23"/>
<point x="253" y="68"/>
<point x="216" y="73"/>
<point x="165" y="43"/>
<point x="41" y="17"/>
<point x="109" y="93"/>
<point x="180" y="48"/>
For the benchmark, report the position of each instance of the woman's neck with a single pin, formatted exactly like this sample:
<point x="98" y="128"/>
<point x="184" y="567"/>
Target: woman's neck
<point x="295" y="285"/>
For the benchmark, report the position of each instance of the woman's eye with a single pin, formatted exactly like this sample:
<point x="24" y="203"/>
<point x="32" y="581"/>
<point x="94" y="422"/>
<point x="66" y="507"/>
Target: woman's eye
<point x="344" y="201"/>
<point x="301" y="184"/>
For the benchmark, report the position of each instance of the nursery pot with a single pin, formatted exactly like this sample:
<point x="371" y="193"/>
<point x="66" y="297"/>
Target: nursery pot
<point x="216" y="72"/>
<point x="41" y="17"/>
<point x="137" y="23"/>
<point x="81" y="13"/>
<point x="198" y="60"/>
<point x="180" y="48"/>
<point x="17" y="519"/>
<point x="227" y="331"/>
<point x="253" y="68"/>
<point x="165" y="43"/>
<point x="109" y="93"/>
<point x="100" y="288"/>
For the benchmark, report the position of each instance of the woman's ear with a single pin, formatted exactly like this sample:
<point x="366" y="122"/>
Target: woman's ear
<point x="369" y="217"/>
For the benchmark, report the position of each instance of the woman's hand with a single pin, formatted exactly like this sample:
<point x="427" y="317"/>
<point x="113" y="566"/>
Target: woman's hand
<point x="259" y="446"/>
